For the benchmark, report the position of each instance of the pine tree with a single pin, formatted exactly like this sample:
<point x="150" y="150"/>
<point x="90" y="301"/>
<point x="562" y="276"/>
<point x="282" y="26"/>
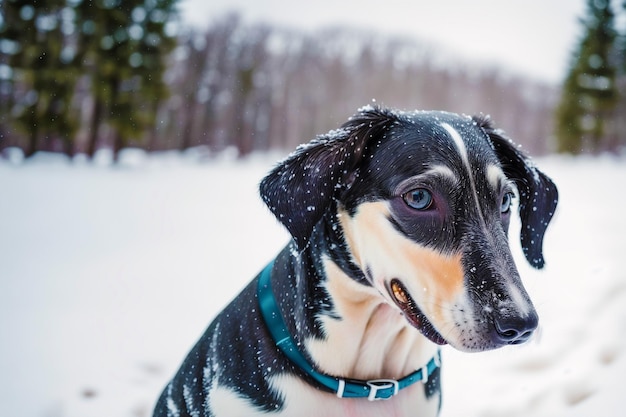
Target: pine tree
<point x="589" y="92"/>
<point x="127" y="44"/>
<point x="620" y="109"/>
<point x="44" y="71"/>
<point x="149" y="62"/>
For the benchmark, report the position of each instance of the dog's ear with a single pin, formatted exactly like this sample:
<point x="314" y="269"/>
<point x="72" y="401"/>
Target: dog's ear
<point x="301" y="188"/>
<point x="538" y="194"/>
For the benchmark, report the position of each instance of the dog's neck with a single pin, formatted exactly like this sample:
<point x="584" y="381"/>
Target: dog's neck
<point x="354" y="332"/>
<point x="371" y="339"/>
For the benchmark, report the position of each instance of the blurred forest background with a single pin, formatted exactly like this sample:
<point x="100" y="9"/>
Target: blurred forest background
<point x="77" y="76"/>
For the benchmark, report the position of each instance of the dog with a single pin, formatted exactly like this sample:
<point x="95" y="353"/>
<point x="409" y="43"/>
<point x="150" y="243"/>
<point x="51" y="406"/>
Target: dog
<point x="399" y="245"/>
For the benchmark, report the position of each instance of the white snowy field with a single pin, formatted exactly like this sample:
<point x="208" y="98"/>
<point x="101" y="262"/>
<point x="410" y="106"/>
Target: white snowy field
<point x="108" y="276"/>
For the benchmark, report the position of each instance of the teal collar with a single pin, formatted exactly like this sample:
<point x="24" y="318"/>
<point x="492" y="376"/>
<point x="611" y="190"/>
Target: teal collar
<point x="378" y="389"/>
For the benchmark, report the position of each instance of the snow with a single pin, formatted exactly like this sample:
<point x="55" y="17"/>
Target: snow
<point x="108" y="276"/>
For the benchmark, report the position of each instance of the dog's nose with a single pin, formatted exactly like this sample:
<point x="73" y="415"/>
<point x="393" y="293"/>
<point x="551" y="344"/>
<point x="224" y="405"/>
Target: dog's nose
<point x="514" y="330"/>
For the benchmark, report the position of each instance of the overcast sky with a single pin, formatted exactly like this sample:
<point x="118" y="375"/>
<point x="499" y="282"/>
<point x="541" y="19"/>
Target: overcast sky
<point x="534" y="37"/>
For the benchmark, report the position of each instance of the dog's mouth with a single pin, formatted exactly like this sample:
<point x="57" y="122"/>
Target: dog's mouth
<point x="412" y="313"/>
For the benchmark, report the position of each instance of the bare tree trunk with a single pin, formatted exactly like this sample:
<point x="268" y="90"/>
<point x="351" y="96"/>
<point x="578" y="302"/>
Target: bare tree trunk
<point x="31" y="145"/>
<point x="96" y="118"/>
<point x="118" y="143"/>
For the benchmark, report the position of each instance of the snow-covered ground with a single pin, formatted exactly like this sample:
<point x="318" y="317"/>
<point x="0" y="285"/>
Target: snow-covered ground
<point x="108" y="275"/>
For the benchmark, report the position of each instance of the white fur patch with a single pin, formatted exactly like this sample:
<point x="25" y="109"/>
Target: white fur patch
<point x="172" y="408"/>
<point x="225" y="402"/>
<point x="520" y="303"/>
<point x="460" y="145"/>
<point x="443" y="171"/>
<point x="458" y="141"/>
<point x="188" y="396"/>
<point x="495" y="176"/>
<point x="439" y="172"/>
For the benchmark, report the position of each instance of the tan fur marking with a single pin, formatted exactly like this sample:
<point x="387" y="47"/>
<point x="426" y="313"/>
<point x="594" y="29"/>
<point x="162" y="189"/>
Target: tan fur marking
<point x="435" y="281"/>
<point x="348" y="236"/>
<point x="442" y="274"/>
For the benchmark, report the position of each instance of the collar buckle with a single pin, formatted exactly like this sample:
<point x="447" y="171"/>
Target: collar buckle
<point x="386" y="387"/>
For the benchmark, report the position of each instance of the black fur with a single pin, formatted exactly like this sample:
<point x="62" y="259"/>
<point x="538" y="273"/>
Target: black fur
<point x="538" y="194"/>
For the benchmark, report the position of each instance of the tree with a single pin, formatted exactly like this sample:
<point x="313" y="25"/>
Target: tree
<point x="618" y="116"/>
<point x="200" y="80"/>
<point x="589" y="92"/>
<point x="126" y="43"/>
<point x="44" y="70"/>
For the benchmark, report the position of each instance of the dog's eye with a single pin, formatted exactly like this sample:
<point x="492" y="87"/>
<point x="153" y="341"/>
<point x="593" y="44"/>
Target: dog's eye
<point x="419" y="199"/>
<point x="505" y="206"/>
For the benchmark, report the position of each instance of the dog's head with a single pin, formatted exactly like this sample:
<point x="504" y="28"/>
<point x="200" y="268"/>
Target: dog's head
<point x="423" y="201"/>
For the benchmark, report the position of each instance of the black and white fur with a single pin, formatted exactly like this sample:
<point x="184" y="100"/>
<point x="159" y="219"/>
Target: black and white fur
<point x="374" y="279"/>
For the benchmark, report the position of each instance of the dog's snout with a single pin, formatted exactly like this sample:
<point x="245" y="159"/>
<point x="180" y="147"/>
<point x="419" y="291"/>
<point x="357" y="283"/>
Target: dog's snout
<point x="514" y="330"/>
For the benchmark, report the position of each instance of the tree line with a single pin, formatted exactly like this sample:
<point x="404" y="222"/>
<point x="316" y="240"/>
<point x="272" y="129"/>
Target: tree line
<point x="257" y="87"/>
<point x="78" y="76"/>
